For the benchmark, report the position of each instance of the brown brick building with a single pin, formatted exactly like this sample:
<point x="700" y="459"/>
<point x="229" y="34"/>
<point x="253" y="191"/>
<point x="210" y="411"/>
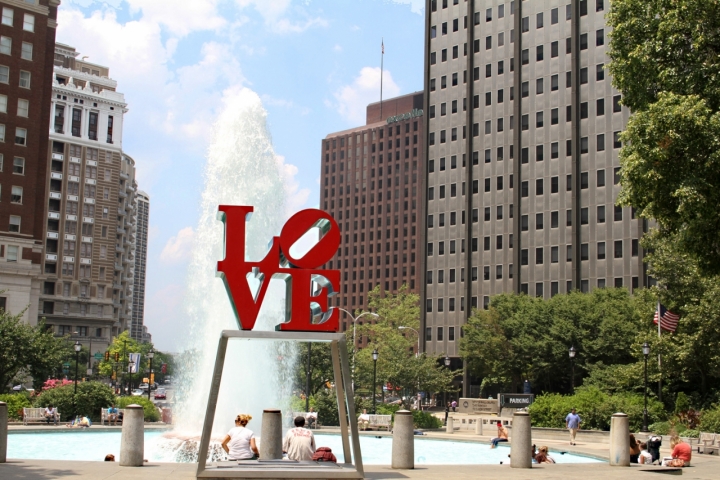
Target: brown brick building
<point x="27" y="42"/>
<point x="370" y="185"/>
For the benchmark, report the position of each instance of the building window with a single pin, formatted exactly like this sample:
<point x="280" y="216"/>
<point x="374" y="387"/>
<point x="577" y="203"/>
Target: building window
<point x="12" y="253"/>
<point x="601" y="250"/>
<point x="7" y="18"/>
<point x="76" y="122"/>
<point x="23" y="107"/>
<point x="20" y="136"/>
<point x="110" y="130"/>
<point x="92" y="126"/>
<point x="18" y="166"/>
<point x="3" y="103"/>
<point x="5" y="45"/>
<point x="29" y="22"/>
<point x="618" y="248"/>
<point x="26" y="52"/>
<point x="4" y="74"/>
<point x="16" y="195"/>
<point x="24" y="79"/>
<point x="14" y="224"/>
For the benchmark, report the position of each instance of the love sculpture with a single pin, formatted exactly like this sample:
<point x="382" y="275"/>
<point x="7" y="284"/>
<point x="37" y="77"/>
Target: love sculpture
<point x="307" y="318"/>
<point x="307" y="308"/>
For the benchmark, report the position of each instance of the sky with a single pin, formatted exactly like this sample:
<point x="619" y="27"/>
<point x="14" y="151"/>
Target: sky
<point x="314" y="63"/>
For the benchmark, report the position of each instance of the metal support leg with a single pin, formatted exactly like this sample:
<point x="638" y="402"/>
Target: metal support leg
<point x="351" y="407"/>
<point x="212" y="403"/>
<point x="342" y="414"/>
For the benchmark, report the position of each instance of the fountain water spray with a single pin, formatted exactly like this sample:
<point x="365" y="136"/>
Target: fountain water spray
<point x="242" y="169"/>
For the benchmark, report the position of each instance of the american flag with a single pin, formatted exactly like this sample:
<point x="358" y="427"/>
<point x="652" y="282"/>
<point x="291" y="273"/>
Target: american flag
<point x="668" y="320"/>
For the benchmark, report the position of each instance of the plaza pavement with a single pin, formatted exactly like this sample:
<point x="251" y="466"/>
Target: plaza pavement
<point x="704" y="467"/>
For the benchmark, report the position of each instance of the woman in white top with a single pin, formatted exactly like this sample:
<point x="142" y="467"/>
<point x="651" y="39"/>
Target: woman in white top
<point x="239" y="443"/>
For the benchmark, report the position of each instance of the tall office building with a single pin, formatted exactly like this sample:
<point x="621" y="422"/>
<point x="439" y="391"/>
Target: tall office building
<point x="89" y="262"/>
<point x="371" y="186"/>
<point x="27" y="40"/>
<point x="523" y="126"/>
<point x="138" y="331"/>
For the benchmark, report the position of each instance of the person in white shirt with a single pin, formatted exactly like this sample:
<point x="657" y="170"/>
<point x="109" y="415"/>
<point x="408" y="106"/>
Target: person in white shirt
<point x="51" y="414"/>
<point x="311" y="418"/>
<point x="239" y="443"/>
<point x="299" y="443"/>
<point x="645" y="458"/>
<point x="364" y="420"/>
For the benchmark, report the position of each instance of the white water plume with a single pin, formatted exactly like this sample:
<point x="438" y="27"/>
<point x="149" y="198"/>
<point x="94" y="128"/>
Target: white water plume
<point x="242" y="169"/>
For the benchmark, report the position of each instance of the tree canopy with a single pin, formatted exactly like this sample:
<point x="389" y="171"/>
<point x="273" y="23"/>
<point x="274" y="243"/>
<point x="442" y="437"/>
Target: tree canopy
<point x="666" y="62"/>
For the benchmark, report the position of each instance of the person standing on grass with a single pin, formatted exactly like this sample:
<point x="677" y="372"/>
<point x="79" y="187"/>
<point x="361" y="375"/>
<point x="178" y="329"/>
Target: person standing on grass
<point x="572" y="423"/>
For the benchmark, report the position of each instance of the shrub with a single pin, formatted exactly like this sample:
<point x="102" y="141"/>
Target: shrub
<point x="710" y="420"/>
<point x="426" y="420"/>
<point x="594" y="407"/>
<point x="327" y="409"/>
<point x="690" y="433"/>
<point x="15" y="403"/>
<point x="387" y="409"/>
<point x="150" y="411"/>
<point x="661" y="428"/>
<point x="91" y="397"/>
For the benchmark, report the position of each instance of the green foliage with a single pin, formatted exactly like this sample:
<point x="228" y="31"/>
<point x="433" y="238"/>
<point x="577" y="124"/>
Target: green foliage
<point x="521" y="337"/>
<point x="710" y="420"/>
<point x="91" y="397"/>
<point x="150" y="411"/>
<point x="327" y="408"/>
<point x="661" y="428"/>
<point x="321" y="369"/>
<point x="15" y="403"/>
<point x="691" y="433"/>
<point x="594" y="407"/>
<point x="665" y="62"/>
<point x="425" y="420"/>
<point x="682" y="403"/>
<point x="386" y="409"/>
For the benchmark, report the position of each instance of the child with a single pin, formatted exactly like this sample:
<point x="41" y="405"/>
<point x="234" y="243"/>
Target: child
<point x="645" y="458"/>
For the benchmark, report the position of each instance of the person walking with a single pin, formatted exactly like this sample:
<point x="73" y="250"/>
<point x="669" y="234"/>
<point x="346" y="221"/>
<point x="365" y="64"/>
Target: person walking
<point x="572" y="423"/>
<point x="299" y="443"/>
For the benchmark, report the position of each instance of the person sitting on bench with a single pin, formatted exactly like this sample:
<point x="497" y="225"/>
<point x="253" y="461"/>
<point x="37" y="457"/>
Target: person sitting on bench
<point x="51" y="414"/>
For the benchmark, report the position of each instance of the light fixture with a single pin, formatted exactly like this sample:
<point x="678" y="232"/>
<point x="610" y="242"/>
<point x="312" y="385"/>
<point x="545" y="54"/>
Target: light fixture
<point x="375" y="355"/>
<point x="78" y="347"/>
<point x="646" y="348"/>
<point x="572" y="352"/>
<point x="151" y="354"/>
<point x="447" y="361"/>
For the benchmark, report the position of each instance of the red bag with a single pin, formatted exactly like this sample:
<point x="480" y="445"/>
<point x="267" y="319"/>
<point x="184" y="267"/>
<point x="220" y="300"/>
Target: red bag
<point x="324" y="454"/>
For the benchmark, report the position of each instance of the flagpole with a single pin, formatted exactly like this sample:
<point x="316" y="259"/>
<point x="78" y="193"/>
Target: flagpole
<point x="382" y="57"/>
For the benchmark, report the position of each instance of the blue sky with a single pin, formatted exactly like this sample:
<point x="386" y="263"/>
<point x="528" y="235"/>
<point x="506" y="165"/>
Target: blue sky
<point x="314" y="63"/>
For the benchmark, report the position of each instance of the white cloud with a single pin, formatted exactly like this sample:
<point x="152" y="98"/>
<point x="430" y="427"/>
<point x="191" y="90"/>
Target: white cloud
<point x="296" y="197"/>
<point x="269" y="9"/>
<point x="352" y="100"/>
<point x="273" y="11"/>
<point x="416" y="6"/>
<point x="337" y="48"/>
<point x="177" y="249"/>
<point x="180" y="17"/>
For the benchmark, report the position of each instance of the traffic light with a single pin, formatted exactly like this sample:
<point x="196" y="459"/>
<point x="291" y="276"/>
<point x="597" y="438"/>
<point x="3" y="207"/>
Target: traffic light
<point x="107" y="356"/>
<point x="117" y="356"/>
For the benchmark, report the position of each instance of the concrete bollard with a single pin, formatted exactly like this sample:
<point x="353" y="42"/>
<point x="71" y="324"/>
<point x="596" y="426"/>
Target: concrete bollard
<point x="3" y="431"/>
<point x="271" y="435"/>
<point x="403" y="443"/>
<point x="479" y="426"/>
<point x="521" y="441"/>
<point x="619" y="440"/>
<point x="132" y="440"/>
<point x="450" y="427"/>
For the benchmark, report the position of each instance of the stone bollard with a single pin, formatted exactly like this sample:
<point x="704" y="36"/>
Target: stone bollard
<point x="450" y="428"/>
<point x="521" y="441"/>
<point x="271" y="435"/>
<point x="132" y="440"/>
<point x="3" y="431"/>
<point x="619" y="440"/>
<point x="479" y="426"/>
<point x="403" y="443"/>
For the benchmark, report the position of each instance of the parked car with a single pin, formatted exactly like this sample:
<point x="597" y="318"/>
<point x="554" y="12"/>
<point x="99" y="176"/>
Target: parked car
<point x="160" y="394"/>
<point x="138" y="392"/>
<point x="143" y="386"/>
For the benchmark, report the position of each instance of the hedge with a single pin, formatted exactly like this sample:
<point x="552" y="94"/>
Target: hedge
<point x="150" y="411"/>
<point x="91" y="397"/>
<point x="15" y="403"/>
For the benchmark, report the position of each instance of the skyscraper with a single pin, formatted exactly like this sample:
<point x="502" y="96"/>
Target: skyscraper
<point x="27" y="40"/>
<point x="142" y="217"/>
<point x="89" y="262"/>
<point x="370" y="185"/>
<point x="522" y="109"/>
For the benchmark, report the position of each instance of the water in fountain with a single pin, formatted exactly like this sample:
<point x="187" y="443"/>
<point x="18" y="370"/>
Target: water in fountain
<point x="242" y="169"/>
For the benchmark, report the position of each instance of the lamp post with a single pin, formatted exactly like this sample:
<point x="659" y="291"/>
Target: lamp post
<point x="646" y="352"/>
<point x="89" y="367"/>
<point x="78" y="347"/>
<point x="354" y="320"/>
<point x="402" y="327"/>
<point x="131" y="364"/>
<point x="307" y="377"/>
<point x="447" y="365"/>
<point x="572" y="353"/>
<point x="150" y="355"/>
<point x="375" y="355"/>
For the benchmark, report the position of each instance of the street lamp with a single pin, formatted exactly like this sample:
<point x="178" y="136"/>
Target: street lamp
<point x="646" y="352"/>
<point x="354" y="320"/>
<point x="131" y="364"/>
<point x="375" y="355"/>
<point x="402" y="327"/>
<point x="150" y="355"/>
<point x="78" y="347"/>
<point x="447" y="365"/>
<point x="572" y="353"/>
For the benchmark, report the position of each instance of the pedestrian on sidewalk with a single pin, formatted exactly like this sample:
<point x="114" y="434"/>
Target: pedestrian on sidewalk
<point x="572" y="423"/>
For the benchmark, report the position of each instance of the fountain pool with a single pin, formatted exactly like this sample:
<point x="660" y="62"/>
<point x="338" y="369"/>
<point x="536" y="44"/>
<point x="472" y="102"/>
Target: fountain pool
<point x="93" y="446"/>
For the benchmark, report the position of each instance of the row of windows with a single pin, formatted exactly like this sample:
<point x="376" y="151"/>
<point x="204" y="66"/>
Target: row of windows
<point x="380" y="132"/>
<point x="23" y="81"/>
<point x="26" y="48"/>
<point x="23" y="106"/>
<point x="20" y="135"/>
<point x="8" y="17"/>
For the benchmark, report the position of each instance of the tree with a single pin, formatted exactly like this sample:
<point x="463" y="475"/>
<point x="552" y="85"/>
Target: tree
<point x="27" y="349"/>
<point x="321" y="368"/>
<point x="665" y="61"/>
<point x="397" y="364"/>
<point x="124" y="345"/>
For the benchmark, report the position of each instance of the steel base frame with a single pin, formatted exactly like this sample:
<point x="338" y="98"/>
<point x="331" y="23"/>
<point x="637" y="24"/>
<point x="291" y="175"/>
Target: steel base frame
<point x="346" y="409"/>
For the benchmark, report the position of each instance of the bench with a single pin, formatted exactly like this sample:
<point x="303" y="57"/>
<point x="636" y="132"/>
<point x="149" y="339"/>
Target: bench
<point x="104" y="415"/>
<point x="708" y="443"/>
<point x="36" y="415"/>
<point x="315" y="424"/>
<point x="377" y="422"/>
